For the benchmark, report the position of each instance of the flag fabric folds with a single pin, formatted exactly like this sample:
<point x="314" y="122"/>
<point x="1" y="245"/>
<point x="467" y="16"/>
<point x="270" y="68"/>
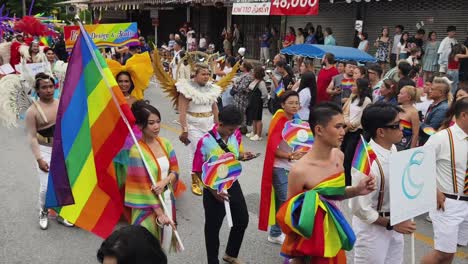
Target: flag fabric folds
<point x="90" y="131"/>
<point x="313" y="224"/>
<point x="280" y="89"/>
<point x="364" y="155"/>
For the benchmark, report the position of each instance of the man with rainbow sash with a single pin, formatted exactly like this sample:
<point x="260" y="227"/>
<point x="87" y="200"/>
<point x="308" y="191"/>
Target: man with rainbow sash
<point x="316" y="231"/>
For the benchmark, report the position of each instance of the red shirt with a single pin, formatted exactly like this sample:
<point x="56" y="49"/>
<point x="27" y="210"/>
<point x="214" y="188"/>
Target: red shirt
<point x="290" y="38"/>
<point x="324" y="78"/>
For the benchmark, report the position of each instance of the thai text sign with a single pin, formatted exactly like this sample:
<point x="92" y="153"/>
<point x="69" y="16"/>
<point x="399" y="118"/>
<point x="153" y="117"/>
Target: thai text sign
<point x="251" y="9"/>
<point x="294" y="7"/>
<point x="105" y="35"/>
<point x="412" y="183"/>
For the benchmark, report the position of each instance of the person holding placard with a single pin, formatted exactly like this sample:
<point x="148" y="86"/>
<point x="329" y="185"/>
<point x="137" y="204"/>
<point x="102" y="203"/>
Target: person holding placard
<point x="223" y="138"/>
<point x="320" y="175"/>
<point x="450" y="219"/>
<point x="377" y="241"/>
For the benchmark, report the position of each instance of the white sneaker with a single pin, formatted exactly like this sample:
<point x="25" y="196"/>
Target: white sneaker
<point x="64" y="222"/>
<point x="249" y="135"/>
<point x="256" y="138"/>
<point x="276" y="240"/>
<point x="43" y="220"/>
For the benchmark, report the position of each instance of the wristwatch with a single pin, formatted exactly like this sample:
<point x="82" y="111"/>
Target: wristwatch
<point x="389" y="227"/>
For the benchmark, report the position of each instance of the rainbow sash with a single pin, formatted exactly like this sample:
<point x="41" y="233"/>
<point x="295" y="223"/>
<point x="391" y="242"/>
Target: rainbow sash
<point x="313" y="225"/>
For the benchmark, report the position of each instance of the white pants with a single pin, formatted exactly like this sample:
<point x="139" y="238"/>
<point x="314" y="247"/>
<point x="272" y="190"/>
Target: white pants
<point x="450" y="226"/>
<point x="377" y="245"/>
<point x="197" y="128"/>
<point x="264" y="54"/>
<point x="46" y="153"/>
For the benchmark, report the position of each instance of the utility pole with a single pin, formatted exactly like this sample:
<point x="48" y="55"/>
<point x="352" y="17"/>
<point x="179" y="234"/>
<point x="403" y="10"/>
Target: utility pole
<point x="24" y="8"/>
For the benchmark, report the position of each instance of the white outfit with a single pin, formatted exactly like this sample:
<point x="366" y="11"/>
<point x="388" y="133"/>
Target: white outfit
<point x="201" y="99"/>
<point x="396" y="39"/>
<point x="450" y="226"/>
<point x="401" y="48"/>
<point x="202" y="43"/>
<point x="174" y="63"/>
<point x="424" y="105"/>
<point x="353" y="112"/>
<point x="304" y="99"/>
<point x="163" y="163"/>
<point x="46" y="153"/>
<point x="374" y="243"/>
<point x="444" y="51"/>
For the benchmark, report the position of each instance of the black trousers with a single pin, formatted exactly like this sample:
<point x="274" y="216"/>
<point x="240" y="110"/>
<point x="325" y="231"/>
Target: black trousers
<point x="214" y="215"/>
<point x="393" y="61"/>
<point x="348" y="147"/>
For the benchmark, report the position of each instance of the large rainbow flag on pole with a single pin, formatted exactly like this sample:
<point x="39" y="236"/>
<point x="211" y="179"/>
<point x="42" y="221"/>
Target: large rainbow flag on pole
<point x="364" y="155"/>
<point x="92" y="124"/>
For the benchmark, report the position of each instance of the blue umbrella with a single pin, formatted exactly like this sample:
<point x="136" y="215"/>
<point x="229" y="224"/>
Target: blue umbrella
<point x="317" y="51"/>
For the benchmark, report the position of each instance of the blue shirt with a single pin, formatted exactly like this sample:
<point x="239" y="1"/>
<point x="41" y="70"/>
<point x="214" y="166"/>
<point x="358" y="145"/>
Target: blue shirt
<point x="265" y="40"/>
<point x="311" y="39"/>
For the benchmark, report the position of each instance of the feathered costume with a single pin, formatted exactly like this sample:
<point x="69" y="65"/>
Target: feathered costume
<point x="140" y="70"/>
<point x="268" y="205"/>
<point x="314" y="226"/>
<point x="140" y="198"/>
<point x="201" y="100"/>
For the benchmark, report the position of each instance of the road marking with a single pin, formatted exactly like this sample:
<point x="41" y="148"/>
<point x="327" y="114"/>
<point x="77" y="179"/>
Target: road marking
<point x="423" y="238"/>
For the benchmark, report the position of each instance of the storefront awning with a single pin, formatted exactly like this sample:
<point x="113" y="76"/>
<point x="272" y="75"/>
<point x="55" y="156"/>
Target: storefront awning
<point x="317" y="51"/>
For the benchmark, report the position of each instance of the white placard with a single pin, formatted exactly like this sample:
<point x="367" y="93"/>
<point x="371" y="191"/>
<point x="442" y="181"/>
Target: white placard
<point x="34" y="68"/>
<point x="6" y="69"/>
<point x="412" y="183"/>
<point x="358" y="25"/>
<point x="251" y="9"/>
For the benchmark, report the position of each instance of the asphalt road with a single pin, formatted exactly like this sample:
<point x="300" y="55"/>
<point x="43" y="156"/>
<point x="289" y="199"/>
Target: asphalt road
<point x="21" y="240"/>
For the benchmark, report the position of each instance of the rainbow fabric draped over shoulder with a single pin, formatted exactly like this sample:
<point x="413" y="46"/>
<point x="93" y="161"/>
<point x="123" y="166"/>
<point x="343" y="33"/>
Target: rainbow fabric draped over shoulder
<point x="267" y="196"/>
<point x="364" y="155"/>
<point x="313" y="225"/>
<point x="90" y="131"/>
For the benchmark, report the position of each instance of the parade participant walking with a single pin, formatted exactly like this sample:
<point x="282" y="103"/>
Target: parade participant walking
<point x="352" y="112"/>
<point x="325" y="76"/>
<point x="224" y="137"/>
<point x="376" y="240"/>
<point x="158" y="161"/>
<point x="407" y="98"/>
<point x="436" y="112"/>
<point x="340" y="87"/>
<point x="33" y="54"/>
<point x="321" y="165"/>
<point x="40" y="125"/>
<point x="279" y="158"/>
<point x="198" y="111"/>
<point x="450" y="219"/>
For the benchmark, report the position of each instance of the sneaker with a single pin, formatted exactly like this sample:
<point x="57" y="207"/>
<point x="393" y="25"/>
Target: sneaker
<point x="276" y="240"/>
<point x="232" y="260"/>
<point x="256" y="138"/>
<point x="249" y="135"/>
<point x="64" y="222"/>
<point x="43" y="220"/>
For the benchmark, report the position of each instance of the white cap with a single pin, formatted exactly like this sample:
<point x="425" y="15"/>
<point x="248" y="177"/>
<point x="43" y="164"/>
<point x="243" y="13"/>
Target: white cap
<point x="241" y="51"/>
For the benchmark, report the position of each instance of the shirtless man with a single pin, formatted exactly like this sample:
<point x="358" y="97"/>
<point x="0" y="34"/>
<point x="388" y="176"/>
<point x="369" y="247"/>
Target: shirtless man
<point x="325" y="158"/>
<point x="40" y="125"/>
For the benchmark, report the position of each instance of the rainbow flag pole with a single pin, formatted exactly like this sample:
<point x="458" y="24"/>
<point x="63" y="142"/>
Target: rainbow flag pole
<point x="88" y="42"/>
<point x="367" y="152"/>
<point x="363" y="157"/>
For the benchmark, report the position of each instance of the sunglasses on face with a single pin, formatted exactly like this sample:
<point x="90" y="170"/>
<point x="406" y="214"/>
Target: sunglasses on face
<point x="392" y="126"/>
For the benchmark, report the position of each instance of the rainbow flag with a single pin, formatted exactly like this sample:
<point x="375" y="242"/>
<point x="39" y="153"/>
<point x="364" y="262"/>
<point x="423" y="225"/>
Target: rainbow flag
<point x="313" y="224"/>
<point x="363" y="157"/>
<point x="90" y="131"/>
<point x="347" y="84"/>
<point x="280" y="89"/>
<point x="46" y="41"/>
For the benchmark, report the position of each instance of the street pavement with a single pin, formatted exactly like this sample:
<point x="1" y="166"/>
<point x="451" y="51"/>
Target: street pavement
<point x="21" y="240"/>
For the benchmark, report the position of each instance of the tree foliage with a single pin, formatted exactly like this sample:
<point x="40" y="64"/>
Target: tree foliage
<point x="15" y="7"/>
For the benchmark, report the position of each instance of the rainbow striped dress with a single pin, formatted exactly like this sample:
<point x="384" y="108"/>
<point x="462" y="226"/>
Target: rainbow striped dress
<point x="407" y="130"/>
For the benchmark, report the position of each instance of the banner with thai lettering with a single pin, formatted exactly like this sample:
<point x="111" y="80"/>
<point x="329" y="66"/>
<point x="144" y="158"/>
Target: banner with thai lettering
<point x="104" y="35"/>
<point x="294" y="7"/>
<point x="251" y="9"/>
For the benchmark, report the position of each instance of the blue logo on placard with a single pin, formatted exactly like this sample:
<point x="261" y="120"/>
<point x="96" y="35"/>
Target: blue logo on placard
<point x="411" y="188"/>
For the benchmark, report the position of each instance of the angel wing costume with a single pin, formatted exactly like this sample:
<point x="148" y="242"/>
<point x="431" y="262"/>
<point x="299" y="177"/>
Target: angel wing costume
<point x="199" y="116"/>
